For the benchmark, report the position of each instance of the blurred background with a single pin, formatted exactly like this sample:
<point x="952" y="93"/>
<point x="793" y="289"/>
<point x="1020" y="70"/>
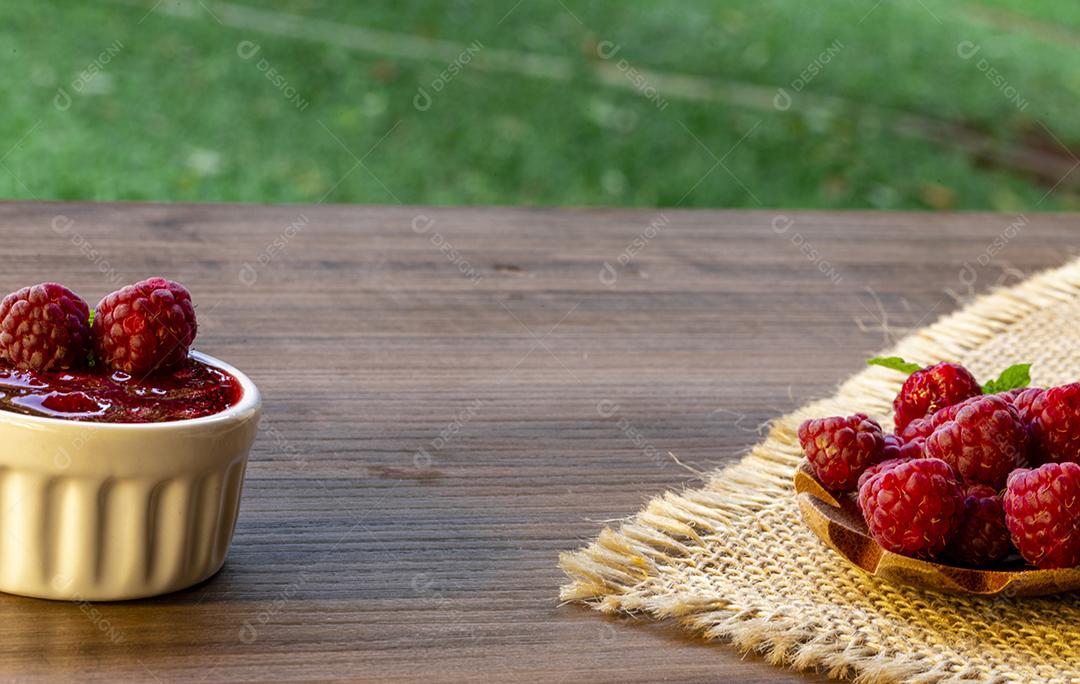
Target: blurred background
<point x="914" y="104"/>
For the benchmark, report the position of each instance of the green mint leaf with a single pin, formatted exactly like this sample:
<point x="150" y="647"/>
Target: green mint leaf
<point x="894" y="362"/>
<point x="1015" y="376"/>
<point x="92" y="312"/>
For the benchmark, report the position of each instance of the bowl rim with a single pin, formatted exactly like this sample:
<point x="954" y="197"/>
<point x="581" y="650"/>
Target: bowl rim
<point x="250" y="401"/>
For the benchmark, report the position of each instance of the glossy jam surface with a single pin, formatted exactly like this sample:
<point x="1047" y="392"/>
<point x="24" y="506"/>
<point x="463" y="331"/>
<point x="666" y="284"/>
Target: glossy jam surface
<point x="193" y="390"/>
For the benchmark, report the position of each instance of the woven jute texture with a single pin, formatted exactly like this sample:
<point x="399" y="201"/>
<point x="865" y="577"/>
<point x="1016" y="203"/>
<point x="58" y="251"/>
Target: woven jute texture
<point x="732" y="561"/>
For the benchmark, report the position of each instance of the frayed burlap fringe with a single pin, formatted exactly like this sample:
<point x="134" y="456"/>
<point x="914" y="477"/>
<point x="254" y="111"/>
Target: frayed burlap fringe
<point x="733" y="562"/>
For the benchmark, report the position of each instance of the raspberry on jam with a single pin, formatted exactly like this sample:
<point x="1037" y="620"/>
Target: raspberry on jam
<point x="146" y="327"/>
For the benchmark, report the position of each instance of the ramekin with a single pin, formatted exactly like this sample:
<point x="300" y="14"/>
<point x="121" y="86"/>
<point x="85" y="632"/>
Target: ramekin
<point x="114" y="511"/>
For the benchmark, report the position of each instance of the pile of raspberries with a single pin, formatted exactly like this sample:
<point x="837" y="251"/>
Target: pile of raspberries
<point x="972" y="474"/>
<point x="139" y="329"/>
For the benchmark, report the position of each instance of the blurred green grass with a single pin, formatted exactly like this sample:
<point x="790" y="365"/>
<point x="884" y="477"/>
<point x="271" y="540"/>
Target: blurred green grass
<point x="177" y="114"/>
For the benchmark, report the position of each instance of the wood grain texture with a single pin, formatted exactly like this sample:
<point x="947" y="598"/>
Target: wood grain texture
<point x="435" y="435"/>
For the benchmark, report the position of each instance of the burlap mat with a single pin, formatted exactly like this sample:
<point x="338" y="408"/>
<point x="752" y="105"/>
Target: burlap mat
<point x="733" y="562"/>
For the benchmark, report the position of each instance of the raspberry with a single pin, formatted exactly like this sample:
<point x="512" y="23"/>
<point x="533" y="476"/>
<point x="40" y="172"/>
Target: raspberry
<point x="895" y="452"/>
<point x="982" y="537"/>
<point x="918" y="427"/>
<point x="1022" y="399"/>
<point x="881" y="467"/>
<point x="932" y="388"/>
<point x="925" y="426"/>
<point x="1042" y="512"/>
<point x="839" y="448"/>
<point x="983" y="442"/>
<point x="979" y="491"/>
<point x="145" y="327"/>
<point x="896" y="447"/>
<point x="913" y="508"/>
<point x="1055" y="423"/>
<point x="45" y="327"/>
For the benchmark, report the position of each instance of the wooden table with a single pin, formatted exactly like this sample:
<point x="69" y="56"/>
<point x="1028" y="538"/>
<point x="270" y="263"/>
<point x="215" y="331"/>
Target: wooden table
<point x="433" y="439"/>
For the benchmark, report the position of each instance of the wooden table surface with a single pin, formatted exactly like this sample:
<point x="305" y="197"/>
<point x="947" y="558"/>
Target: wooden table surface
<point x="443" y="393"/>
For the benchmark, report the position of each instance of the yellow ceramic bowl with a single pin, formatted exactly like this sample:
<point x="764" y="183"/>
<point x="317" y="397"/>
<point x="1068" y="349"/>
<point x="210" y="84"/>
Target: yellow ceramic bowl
<point x="106" y="512"/>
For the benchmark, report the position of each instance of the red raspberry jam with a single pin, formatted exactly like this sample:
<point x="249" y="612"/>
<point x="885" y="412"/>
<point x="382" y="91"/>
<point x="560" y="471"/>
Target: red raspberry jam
<point x="193" y="390"/>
